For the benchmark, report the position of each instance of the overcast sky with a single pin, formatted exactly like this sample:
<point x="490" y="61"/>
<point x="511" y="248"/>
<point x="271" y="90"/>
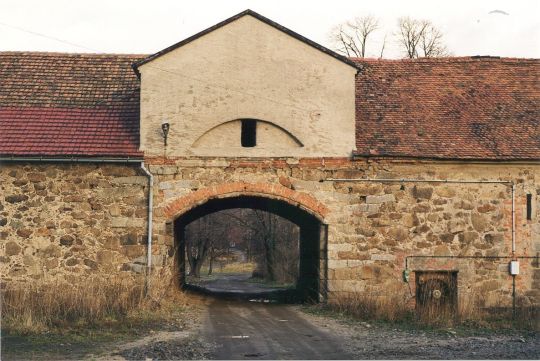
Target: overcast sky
<point x="132" y="26"/>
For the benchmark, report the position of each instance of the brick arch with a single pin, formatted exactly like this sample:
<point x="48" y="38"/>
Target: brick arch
<point x="303" y="200"/>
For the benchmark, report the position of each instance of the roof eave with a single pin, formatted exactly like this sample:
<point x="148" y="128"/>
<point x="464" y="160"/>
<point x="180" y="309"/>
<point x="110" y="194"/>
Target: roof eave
<point x="356" y="155"/>
<point x="70" y="159"/>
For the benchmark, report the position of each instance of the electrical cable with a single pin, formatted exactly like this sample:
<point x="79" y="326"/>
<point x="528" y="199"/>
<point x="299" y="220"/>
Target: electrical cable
<point x="46" y="36"/>
<point x="160" y="69"/>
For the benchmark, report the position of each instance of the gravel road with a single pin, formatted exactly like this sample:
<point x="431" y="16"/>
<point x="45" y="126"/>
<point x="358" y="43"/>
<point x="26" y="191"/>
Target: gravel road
<point x="235" y="283"/>
<point x="241" y="330"/>
<point x="365" y="340"/>
<point x="249" y="330"/>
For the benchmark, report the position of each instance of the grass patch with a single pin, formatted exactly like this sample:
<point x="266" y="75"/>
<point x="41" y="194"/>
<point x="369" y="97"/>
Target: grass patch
<point x="230" y="267"/>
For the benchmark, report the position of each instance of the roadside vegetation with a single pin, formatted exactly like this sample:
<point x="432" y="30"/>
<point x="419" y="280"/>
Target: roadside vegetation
<point x="55" y="317"/>
<point x="400" y="312"/>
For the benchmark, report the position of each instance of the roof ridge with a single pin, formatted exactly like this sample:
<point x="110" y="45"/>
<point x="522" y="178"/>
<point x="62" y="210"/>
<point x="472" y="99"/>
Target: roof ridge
<point x="448" y="59"/>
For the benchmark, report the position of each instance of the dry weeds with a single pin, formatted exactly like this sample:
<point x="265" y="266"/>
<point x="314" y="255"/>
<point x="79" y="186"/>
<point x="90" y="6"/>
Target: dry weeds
<point x="367" y="306"/>
<point x="470" y="312"/>
<point x="44" y="306"/>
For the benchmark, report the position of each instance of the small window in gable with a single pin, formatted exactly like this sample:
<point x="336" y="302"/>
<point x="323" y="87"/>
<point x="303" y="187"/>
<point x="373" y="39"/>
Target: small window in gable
<point x="249" y="133"/>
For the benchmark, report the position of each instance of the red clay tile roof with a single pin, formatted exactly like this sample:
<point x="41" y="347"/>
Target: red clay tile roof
<point x="452" y="108"/>
<point x="55" y="104"/>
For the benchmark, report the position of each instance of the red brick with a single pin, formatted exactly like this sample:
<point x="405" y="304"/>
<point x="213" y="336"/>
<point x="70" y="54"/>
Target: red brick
<point x="269" y="190"/>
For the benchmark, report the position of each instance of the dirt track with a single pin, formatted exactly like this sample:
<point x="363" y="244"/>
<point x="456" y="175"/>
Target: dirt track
<point x="267" y="331"/>
<point x="248" y="330"/>
<point x="236" y="283"/>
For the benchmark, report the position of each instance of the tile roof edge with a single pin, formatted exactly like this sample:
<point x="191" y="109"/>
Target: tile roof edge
<point x="442" y="158"/>
<point x="72" y="159"/>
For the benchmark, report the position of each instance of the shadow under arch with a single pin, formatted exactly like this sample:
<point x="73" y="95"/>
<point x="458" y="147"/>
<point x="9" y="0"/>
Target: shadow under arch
<point x="311" y="283"/>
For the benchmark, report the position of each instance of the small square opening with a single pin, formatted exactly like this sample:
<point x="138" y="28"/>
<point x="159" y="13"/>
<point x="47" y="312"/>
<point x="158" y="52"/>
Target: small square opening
<point x="249" y="133"/>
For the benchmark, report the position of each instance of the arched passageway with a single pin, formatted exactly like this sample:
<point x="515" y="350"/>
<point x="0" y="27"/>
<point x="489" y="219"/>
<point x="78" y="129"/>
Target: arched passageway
<point x="311" y="282"/>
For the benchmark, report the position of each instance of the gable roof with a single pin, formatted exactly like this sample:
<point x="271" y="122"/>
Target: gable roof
<point x="480" y="108"/>
<point x="257" y="16"/>
<point x="54" y="104"/>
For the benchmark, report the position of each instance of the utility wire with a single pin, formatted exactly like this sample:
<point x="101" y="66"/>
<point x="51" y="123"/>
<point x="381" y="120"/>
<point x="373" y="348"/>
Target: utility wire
<point x="47" y="36"/>
<point x="160" y="69"/>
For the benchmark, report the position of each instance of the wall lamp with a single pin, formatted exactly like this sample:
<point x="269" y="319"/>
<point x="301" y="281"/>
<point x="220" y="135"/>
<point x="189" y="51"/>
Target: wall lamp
<point x="165" y="128"/>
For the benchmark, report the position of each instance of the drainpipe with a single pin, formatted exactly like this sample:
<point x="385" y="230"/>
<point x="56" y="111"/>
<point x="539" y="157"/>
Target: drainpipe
<point x="513" y="219"/>
<point x="150" y="214"/>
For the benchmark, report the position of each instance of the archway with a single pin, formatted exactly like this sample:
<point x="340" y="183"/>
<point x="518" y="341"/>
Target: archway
<point x="312" y="275"/>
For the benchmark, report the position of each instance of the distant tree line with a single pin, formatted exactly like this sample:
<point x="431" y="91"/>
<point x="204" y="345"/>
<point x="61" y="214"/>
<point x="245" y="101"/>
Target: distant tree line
<point x="266" y="239"/>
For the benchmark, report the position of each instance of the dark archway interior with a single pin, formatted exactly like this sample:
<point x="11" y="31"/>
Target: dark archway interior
<point x="311" y="282"/>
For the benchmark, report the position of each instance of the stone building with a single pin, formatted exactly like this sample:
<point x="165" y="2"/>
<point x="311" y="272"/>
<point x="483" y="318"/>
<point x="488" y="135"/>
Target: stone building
<point x="427" y="165"/>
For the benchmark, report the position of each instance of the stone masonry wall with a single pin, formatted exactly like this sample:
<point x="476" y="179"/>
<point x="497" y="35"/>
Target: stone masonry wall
<point x="62" y="221"/>
<point x="73" y="220"/>
<point x="373" y="226"/>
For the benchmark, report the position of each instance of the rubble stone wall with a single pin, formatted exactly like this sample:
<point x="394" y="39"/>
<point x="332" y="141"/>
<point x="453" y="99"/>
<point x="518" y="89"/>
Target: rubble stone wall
<point x="374" y="226"/>
<point x="71" y="220"/>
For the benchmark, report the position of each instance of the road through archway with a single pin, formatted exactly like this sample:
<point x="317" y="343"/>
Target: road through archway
<point x="311" y="282"/>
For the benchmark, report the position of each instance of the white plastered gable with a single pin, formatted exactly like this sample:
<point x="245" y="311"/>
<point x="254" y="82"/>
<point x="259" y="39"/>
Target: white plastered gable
<point x="303" y="97"/>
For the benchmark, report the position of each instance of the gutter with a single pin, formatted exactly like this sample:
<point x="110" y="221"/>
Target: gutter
<point x="356" y="156"/>
<point x="70" y="159"/>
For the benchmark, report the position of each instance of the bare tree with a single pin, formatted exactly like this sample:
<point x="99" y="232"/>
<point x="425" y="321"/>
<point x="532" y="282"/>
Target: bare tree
<point x="420" y="38"/>
<point x="219" y="246"/>
<point x="269" y="239"/>
<point x="431" y="43"/>
<point x="351" y="37"/>
<point x="197" y="244"/>
<point x="272" y="241"/>
<point x="280" y="244"/>
<point x="206" y="239"/>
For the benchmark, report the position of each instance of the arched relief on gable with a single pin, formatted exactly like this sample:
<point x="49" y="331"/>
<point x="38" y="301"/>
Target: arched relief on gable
<point x="228" y="135"/>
